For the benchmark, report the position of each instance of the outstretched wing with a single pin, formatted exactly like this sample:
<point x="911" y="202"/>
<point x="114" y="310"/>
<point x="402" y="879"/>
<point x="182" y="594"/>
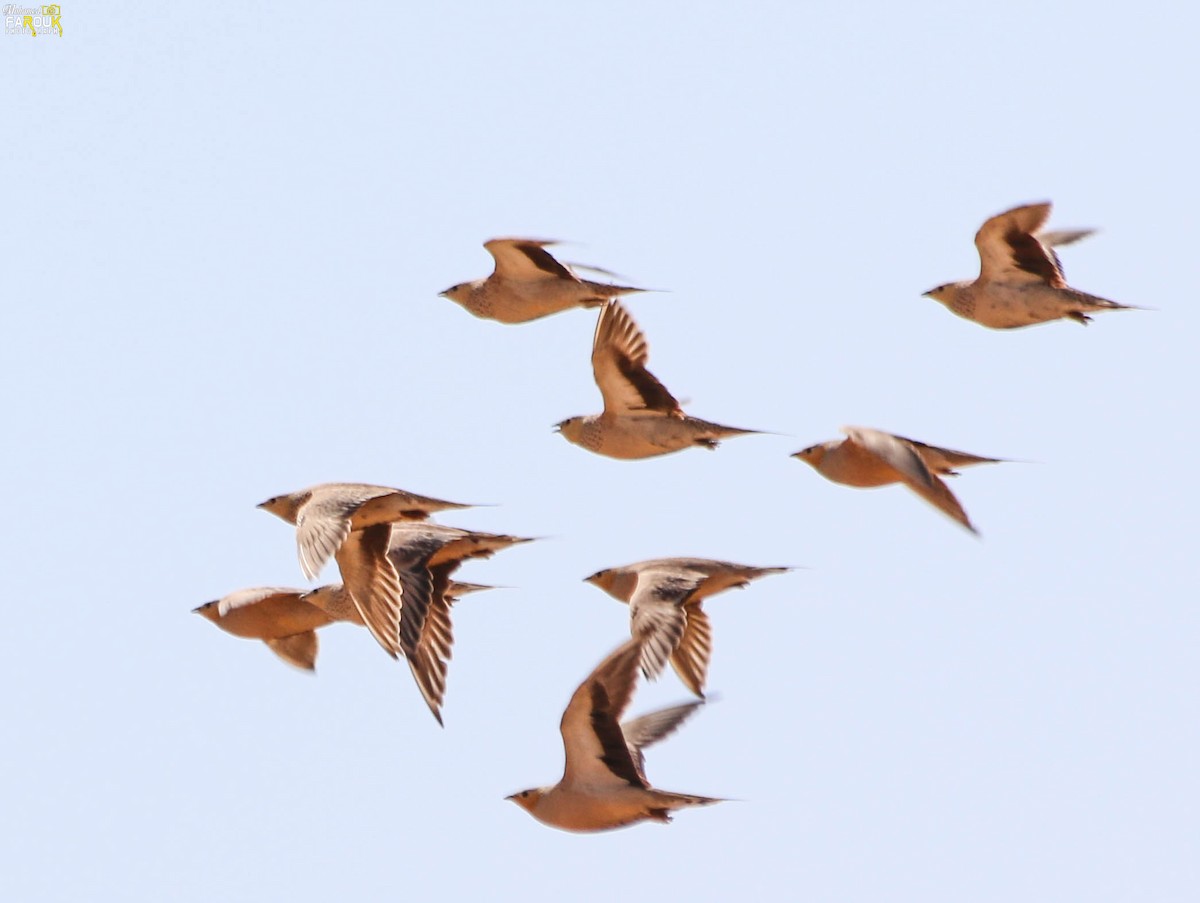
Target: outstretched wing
<point x="374" y="584"/>
<point x="619" y="355"/>
<point x="526" y="260"/>
<point x="1009" y="249"/>
<point x="648" y="729"/>
<point x="594" y="745"/>
<point x="906" y="461"/>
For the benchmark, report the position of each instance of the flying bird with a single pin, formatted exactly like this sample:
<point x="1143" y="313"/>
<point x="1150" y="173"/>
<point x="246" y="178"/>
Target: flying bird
<point x="528" y="283"/>
<point x="664" y="597"/>
<point x="604" y="783"/>
<point x="278" y="616"/>
<point x="352" y="522"/>
<point x="1020" y="276"/>
<point x="641" y="418"/>
<point x="869" y="458"/>
<point x="424" y="557"/>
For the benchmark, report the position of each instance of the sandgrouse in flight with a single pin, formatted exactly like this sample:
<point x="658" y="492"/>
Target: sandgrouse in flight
<point x="1020" y="278"/>
<point x="641" y="418"/>
<point x="604" y="782"/>
<point x="528" y="283"/>
<point x="869" y="458"/>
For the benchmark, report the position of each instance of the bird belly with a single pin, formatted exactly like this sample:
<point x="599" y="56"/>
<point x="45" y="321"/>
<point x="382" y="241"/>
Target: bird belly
<point x="1014" y="306"/>
<point x="634" y="437"/>
<point x="581" y="810"/>
<point x="519" y="302"/>
<point x="852" y="466"/>
<point x="299" y="618"/>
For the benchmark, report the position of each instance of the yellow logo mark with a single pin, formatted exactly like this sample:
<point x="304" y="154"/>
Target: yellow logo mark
<point x="51" y="17"/>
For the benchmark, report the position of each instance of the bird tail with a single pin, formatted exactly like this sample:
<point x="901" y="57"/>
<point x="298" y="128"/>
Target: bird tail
<point x="666" y="802"/>
<point x="1094" y="303"/>
<point x="753" y="573"/>
<point x="710" y="433"/>
<point x="603" y="289"/>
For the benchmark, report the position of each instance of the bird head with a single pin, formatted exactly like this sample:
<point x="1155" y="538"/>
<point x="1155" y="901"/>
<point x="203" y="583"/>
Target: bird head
<point x="943" y="293"/>
<point x="601" y="578"/>
<point x="527" y="799"/>
<point x="209" y="610"/>
<point x="324" y="597"/>
<point x="458" y="293"/>
<point x="283" y="506"/>
<point x="571" y="429"/>
<point x="617" y="582"/>
<point x="812" y="455"/>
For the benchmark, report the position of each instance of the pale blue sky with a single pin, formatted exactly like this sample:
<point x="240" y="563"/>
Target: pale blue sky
<point x="224" y="240"/>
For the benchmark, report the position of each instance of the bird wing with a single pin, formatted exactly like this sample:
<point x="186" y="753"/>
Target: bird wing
<point x="430" y="658"/>
<point x="414" y="542"/>
<point x="322" y="525"/>
<point x="526" y="260"/>
<point x="417" y="590"/>
<point x="648" y="729"/>
<point x="373" y="583"/>
<point x="944" y="460"/>
<point x="594" y="746"/>
<point x="619" y="355"/>
<point x="1060" y="237"/>
<point x="723" y="575"/>
<point x="691" y="656"/>
<point x="1009" y="249"/>
<point x="657" y="616"/>
<point x="299" y="649"/>
<point x="906" y="460"/>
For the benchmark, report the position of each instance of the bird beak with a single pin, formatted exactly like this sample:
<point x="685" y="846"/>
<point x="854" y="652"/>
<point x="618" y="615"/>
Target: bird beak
<point x="557" y="427"/>
<point x="444" y="294"/>
<point x="511" y="796"/>
<point x="196" y="610"/>
<point x="928" y="294"/>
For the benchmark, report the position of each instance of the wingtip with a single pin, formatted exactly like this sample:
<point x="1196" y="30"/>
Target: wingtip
<point x="545" y="242"/>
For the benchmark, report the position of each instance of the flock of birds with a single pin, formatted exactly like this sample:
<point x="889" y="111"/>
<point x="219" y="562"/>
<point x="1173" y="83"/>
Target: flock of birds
<point x="398" y="567"/>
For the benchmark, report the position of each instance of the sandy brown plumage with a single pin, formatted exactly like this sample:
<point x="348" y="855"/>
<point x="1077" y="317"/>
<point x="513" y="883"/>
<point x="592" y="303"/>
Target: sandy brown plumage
<point x="528" y="283"/>
<point x="278" y="616"/>
<point x="1020" y="280"/>
<point x="665" y="597"/>
<point x="604" y="784"/>
<point x="351" y="522"/>
<point x="867" y="458"/>
<point x="641" y="418"/>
